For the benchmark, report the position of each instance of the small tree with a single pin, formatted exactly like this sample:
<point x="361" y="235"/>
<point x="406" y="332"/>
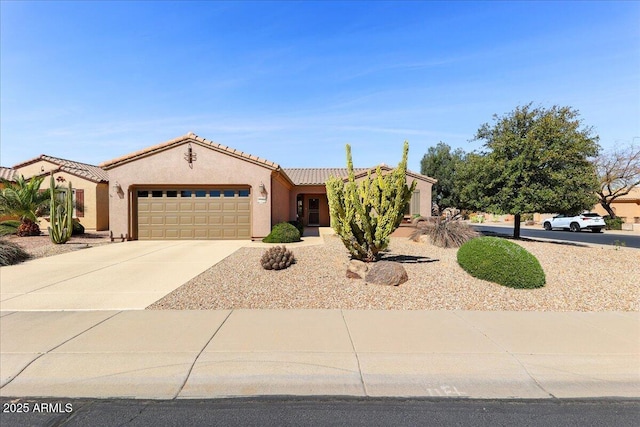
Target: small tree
<point x="365" y="213"/>
<point x="24" y="200"/>
<point x="618" y="173"/>
<point x="441" y="163"/>
<point x="537" y="160"/>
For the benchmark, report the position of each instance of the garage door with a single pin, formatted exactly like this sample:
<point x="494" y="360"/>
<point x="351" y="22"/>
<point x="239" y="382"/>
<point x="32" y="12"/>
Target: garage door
<point x="212" y="213"/>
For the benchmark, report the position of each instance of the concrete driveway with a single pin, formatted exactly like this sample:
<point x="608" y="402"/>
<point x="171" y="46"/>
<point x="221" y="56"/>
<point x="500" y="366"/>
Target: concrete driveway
<point x="122" y="276"/>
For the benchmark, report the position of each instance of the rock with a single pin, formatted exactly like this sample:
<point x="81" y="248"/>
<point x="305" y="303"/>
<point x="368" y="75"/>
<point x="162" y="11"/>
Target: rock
<point x="386" y="273"/>
<point x="357" y="269"/>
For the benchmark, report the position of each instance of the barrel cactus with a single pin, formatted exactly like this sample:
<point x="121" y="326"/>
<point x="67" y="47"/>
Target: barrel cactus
<point x="277" y="258"/>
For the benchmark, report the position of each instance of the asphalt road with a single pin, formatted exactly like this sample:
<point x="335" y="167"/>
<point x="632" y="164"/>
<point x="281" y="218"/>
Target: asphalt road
<point x="605" y="238"/>
<point x="325" y="411"/>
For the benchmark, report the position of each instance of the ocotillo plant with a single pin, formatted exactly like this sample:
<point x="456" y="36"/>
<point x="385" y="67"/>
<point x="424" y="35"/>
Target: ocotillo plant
<point x="60" y="215"/>
<point x="365" y="214"/>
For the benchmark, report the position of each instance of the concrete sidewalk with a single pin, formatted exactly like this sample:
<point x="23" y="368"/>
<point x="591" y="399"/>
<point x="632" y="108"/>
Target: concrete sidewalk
<point x="207" y="354"/>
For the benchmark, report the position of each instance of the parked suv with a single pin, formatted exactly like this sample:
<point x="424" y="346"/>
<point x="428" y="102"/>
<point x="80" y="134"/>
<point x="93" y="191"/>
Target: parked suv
<point x="591" y="221"/>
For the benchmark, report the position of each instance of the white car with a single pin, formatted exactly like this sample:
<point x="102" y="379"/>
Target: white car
<point x="588" y="220"/>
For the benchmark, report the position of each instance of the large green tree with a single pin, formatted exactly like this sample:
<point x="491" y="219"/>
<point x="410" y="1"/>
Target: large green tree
<point x="534" y="160"/>
<point x="24" y="200"/>
<point x="441" y="163"/>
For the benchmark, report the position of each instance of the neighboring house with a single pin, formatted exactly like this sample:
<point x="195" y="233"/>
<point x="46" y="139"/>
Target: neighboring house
<point x="9" y="175"/>
<point x="193" y="188"/>
<point x="90" y="186"/>
<point x="626" y="207"/>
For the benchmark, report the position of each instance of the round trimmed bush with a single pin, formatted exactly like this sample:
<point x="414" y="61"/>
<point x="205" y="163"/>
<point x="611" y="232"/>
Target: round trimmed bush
<point x="501" y="261"/>
<point x="283" y="233"/>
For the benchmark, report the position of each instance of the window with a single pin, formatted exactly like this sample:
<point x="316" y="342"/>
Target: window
<point x="172" y="193"/>
<point x="243" y="193"/>
<point x="143" y="194"/>
<point x="214" y="193"/>
<point x="201" y="193"/>
<point x="229" y="193"/>
<point x="156" y="193"/>
<point x="185" y="193"/>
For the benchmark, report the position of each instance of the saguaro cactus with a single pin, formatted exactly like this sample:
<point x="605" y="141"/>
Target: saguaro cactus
<point x="60" y="214"/>
<point x="364" y="214"/>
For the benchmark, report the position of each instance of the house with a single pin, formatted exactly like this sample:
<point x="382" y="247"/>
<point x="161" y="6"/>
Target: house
<point x="193" y="188"/>
<point x="626" y="207"/>
<point x="7" y="174"/>
<point x="90" y="186"/>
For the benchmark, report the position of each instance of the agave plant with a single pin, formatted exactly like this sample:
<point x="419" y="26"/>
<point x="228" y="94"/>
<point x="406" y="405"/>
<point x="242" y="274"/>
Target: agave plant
<point x="24" y="201"/>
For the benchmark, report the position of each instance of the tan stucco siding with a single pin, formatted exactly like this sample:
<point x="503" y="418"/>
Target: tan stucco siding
<point x="90" y="219"/>
<point x="37" y="168"/>
<point x="425" y="189"/>
<point x="280" y="211"/>
<point x="102" y="206"/>
<point x="169" y="168"/>
<point x="629" y="210"/>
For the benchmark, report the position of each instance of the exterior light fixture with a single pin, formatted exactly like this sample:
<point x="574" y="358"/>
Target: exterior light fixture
<point x="262" y="189"/>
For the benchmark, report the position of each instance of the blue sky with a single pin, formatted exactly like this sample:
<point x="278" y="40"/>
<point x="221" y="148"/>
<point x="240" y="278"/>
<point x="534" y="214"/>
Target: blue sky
<point x="294" y="82"/>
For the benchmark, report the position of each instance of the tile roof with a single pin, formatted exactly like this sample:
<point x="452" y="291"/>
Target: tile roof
<point x="316" y="176"/>
<point x="83" y="170"/>
<point x="633" y="195"/>
<point x="190" y="137"/>
<point x="319" y="176"/>
<point x="7" y="173"/>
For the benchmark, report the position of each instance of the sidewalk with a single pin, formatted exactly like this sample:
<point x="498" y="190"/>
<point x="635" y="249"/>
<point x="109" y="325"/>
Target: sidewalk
<point x="209" y="354"/>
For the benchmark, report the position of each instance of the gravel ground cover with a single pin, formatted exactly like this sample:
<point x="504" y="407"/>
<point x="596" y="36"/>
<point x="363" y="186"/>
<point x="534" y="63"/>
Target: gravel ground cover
<point x="579" y="278"/>
<point x="41" y="246"/>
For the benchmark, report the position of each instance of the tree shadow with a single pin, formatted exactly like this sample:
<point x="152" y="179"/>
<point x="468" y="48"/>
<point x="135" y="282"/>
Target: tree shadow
<point x="408" y="259"/>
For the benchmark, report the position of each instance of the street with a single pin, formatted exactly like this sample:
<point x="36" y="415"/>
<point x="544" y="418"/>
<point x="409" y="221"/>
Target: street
<point x="327" y="411"/>
<point x="605" y="238"/>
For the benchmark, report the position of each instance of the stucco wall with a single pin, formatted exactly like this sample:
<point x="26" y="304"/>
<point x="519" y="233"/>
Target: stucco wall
<point x="36" y="168"/>
<point x="280" y="211"/>
<point x="629" y="210"/>
<point x="102" y="206"/>
<point x="91" y="213"/>
<point x="168" y="167"/>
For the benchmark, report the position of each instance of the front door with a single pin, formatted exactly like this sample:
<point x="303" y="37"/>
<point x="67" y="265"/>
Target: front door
<point x="314" y="212"/>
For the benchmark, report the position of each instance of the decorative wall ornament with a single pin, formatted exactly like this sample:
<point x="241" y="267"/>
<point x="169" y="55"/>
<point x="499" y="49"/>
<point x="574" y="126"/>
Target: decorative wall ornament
<point x="190" y="156"/>
<point x="60" y="179"/>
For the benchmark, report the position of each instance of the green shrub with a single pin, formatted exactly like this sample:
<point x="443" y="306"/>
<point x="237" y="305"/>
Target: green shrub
<point x="77" y="228"/>
<point x="299" y="225"/>
<point x="11" y="253"/>
<point x="9" y="227"/>
<point x="283" y="233"/>
<point x="501" y="261"/>
<point x="444" y="233"/>
<point x="526" y="217"/>
<point x="613" y="223"/>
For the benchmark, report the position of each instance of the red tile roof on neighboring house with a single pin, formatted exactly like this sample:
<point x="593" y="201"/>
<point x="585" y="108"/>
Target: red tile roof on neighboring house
<point x="190" y="137"/>
<point x="7" y="173"/>
<point x="83" y="170"/>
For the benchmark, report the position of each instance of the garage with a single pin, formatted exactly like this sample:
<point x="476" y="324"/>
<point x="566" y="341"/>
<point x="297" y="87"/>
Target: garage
<point x="211" y="213"/>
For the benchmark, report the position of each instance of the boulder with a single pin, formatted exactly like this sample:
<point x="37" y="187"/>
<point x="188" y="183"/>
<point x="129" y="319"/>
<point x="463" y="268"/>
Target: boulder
<point x="386" y="273"/>
<point x="357" y="269"/>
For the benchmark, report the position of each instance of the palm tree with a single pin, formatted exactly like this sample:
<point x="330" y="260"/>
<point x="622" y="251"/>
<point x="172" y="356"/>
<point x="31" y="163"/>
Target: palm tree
<point x="25" y="201"/>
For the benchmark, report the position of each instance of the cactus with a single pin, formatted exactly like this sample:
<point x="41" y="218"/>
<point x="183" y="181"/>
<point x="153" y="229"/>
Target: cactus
<point x="61" y="214"/>
<point x="277" y="258"/>
<point x="365" y="214"/>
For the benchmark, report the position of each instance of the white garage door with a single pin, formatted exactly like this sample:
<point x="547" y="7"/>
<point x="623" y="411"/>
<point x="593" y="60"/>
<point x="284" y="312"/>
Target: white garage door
<point x="194" y="213"/>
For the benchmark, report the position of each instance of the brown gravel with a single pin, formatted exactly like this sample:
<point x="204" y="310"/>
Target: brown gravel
<point x="41" y="246"/>
<point x="579" y="278"/>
